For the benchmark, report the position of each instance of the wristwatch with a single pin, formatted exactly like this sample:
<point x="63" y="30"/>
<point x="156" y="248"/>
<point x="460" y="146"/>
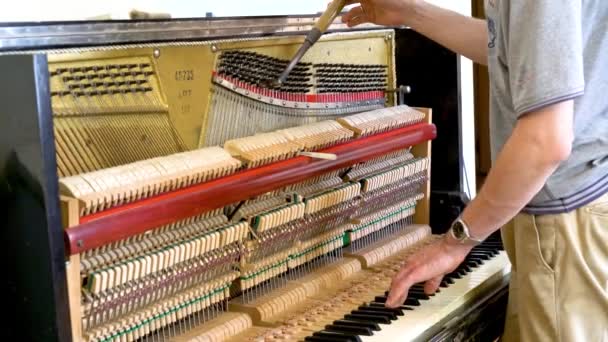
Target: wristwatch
<point x="460" y="232"/>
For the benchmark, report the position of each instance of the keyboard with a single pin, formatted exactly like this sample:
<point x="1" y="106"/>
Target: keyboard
<point x="484" y="268"/>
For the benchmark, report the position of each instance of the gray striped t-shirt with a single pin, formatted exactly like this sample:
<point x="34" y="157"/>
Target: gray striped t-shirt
<point x="541" y="52"/>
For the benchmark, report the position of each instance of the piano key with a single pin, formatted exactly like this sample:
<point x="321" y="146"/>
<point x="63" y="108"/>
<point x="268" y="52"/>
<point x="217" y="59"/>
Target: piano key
<point x="408" y="301"/>
<point x="368" y="318"/>
<point x="370" y="325"/>
<point x="357" y="330"/>
<point x="467" y="268"/>
<point x="337" y="336"/>
<point x="383" y="304"/>
<point x="411" y="302"/>
<point x="388" y="315"/>
<point x="395" y="311"/>
<point x="415" y="293"/>
<point x="324" y="339"/>
<point x="418" y="295"/>
<point x="474" y="262"/>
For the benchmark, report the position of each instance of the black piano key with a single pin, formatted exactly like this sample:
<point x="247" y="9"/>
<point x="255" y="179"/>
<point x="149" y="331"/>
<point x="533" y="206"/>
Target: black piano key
<point x="418" y="295"/>
<point x="461" y="271"/>
<point x="368" y="318"/>
<point x="453" y="275"/>
<point x="396" y="311"/>
<point x="473" y="262"/>
<point x="490" y="251"/>
<point x="383" y="305"/>
<point x="380" y="299"/>
<point x="405" y="306"/>
<point x="370" y="325"/>
<point x="417" y="287"/>
<point x="348" y="329"/>
<point x="415" y="293"/>
<point x="337" y="335"/>
<point x="388" y="315"/>
<point x="467" y="268"/>
<point x="479" y="260"/>
<point x="324" y="339"/>
<point x="411" y="302"/>
<point x="481" y="256"/>
<point x="484" y="249"/>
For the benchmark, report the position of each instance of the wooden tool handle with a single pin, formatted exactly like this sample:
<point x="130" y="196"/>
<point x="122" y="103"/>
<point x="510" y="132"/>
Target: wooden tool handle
<point x="330" y="14"/>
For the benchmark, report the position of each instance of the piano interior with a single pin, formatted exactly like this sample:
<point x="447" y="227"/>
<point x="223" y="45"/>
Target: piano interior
<point x="198" y="205"/>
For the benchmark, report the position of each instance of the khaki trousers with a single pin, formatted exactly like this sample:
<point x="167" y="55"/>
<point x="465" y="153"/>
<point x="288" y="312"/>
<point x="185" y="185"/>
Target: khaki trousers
<point x="559" y="285"/>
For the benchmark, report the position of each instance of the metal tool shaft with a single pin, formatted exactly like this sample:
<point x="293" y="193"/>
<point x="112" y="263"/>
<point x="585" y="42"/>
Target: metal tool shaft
<point x="313" y="36"/>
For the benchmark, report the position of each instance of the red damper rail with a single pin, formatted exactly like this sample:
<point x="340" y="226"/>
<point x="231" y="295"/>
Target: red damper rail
<point x="135" y="218"/>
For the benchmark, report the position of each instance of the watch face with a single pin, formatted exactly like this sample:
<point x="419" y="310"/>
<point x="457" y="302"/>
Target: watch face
<point x="459" y="230"/>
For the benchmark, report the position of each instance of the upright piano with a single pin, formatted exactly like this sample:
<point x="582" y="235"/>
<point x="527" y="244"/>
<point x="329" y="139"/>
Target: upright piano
<point x="155" y="190"/>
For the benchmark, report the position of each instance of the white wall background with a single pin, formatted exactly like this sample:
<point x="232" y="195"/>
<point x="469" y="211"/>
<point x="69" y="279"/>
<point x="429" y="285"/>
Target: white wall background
<point x="44" y="10"/>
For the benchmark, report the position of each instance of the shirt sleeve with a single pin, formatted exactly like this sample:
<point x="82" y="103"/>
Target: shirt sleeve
<point x="545" y="53"/>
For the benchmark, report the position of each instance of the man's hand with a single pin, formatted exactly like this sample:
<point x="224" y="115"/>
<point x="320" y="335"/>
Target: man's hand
<point x="381" y="12"/>
<point x="461" y="34"/>
<point x="429" y="264"/>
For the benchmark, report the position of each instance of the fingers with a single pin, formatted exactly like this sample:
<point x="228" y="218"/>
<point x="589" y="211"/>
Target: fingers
<point x="399" y="288"/>
<point x="432" y="285"/>
<point x="355" y="16"/>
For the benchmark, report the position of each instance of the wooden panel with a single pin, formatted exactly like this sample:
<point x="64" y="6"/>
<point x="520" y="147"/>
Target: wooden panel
<point x="70" y="218"/>
<point x="422" y="215"/>
<point x="482" y="94"/>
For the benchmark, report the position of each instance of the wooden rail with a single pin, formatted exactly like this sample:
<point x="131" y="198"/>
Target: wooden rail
<point x="135" y="218"/>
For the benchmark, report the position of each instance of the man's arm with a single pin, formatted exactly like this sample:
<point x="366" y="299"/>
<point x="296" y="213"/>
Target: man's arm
<point x="540" y="141"/>
<point x="461" y="34"/>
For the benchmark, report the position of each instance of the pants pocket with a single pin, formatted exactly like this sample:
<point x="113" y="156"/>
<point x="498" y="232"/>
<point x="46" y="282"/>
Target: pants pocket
<point x="545" y="227"/>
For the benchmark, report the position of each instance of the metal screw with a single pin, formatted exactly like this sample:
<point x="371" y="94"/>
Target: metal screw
<point x="79" y="243"/>
<point x="156" y="53"/>
<point x="389" y="36"/>
<point x="213" y="48"/>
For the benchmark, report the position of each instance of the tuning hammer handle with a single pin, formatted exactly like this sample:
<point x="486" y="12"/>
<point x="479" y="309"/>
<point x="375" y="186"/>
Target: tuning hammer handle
<point x="313" y="36"/>
<point x="330" y="14"/>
